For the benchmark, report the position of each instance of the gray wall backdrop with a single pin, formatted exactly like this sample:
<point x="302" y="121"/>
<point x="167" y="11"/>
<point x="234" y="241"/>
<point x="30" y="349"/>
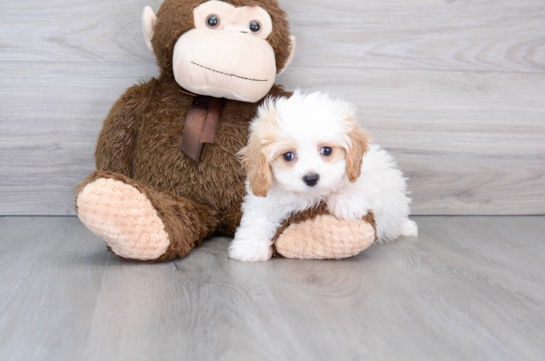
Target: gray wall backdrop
<point x="454" y="89"/>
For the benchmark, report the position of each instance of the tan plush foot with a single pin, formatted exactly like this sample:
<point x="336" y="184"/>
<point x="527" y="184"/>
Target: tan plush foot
<point x="325" y="237"/>
<point x="124" y="218"/>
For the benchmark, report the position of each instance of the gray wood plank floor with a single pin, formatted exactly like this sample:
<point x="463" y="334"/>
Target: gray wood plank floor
<point x="469" y="288"/>
<point x="454" y="89"/>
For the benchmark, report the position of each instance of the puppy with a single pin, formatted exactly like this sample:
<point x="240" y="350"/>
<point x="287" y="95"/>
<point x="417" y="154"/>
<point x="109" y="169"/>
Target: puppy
<point x="308" y="149"/>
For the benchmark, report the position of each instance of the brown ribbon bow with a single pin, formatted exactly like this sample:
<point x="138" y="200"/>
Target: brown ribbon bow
<point x="201" y="124"/>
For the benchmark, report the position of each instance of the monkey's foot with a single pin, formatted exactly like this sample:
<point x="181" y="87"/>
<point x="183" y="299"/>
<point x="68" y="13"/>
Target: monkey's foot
<point x="315" y="234"/>
<point x="124" y="218"/>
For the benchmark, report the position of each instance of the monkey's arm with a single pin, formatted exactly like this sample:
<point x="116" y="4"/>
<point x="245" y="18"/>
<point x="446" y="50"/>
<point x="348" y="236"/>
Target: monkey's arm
<point x="116" y="140"/>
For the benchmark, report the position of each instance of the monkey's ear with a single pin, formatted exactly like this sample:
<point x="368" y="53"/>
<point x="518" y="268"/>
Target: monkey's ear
<point x="361" y="141"/>
<point x="149" y="20"/>
<point x="290" y="57"/>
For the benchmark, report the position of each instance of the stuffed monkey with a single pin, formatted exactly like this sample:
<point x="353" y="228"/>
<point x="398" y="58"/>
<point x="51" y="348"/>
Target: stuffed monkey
<point x="167" y="172"/>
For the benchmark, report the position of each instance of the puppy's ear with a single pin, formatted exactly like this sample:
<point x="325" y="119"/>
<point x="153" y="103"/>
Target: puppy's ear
<point x="360" y="145"/>
<point x="257" y="167"/>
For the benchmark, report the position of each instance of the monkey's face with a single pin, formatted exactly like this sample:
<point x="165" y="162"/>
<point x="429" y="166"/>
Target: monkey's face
<point x="227" y="54"/>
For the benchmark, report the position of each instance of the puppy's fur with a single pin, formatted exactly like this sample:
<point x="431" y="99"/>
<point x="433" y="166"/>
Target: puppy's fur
<point x="325" y="142"/>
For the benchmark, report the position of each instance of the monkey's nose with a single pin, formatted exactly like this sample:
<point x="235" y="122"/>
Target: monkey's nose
<point x="311" y="180"/>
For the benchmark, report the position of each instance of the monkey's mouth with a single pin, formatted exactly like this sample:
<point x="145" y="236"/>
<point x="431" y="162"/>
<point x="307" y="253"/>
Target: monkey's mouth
<point x="231" y="75"/>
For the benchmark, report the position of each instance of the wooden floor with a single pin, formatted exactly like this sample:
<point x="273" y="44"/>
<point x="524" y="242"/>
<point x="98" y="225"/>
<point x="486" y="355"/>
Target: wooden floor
<point x="469" y="288"/>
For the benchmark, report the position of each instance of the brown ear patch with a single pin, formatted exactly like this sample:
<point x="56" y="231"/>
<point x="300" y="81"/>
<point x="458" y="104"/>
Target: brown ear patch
<point x="360" y="145"/>
<point x="256" y="165"/>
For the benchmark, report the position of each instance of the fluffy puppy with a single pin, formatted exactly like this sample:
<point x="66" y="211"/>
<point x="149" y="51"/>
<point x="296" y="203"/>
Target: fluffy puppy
<point x="307" y="149"/>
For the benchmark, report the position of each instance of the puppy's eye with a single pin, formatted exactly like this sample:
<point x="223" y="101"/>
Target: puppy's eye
<point x="255" y="26"/>
<point x="327" y="151"/>
<point x="289" y="156"/>
<point x="212" y="21"/>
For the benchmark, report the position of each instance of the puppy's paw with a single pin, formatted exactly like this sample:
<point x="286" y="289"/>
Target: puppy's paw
<point x="250" y="251"/>
<point x="343" y="206"/>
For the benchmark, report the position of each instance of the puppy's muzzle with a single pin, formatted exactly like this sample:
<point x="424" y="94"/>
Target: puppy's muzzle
<point x="311" y="180"/>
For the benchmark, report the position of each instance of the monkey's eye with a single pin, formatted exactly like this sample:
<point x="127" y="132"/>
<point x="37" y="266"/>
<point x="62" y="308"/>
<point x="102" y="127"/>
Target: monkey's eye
<point x="327" y="151"/>
<point x="212" y="21"/>
<point x="289" y="156"/>
<point x="255" y="26"/>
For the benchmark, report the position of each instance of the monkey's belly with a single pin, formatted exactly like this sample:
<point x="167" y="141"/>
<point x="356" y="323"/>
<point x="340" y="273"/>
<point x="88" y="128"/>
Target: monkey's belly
<point x="217" y="180"/>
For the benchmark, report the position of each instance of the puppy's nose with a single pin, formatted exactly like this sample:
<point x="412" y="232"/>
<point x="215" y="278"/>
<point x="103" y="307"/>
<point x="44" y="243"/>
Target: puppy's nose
<point x="311" y="179"/>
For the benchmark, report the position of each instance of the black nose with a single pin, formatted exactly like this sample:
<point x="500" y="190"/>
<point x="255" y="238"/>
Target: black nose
<point x="311" y="179"/>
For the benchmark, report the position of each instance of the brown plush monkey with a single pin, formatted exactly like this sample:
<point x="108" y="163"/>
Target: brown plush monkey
<point x="167" y="172"/>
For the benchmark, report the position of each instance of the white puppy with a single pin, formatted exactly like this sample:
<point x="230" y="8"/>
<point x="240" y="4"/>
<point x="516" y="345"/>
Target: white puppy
<point x="307" y="149"/>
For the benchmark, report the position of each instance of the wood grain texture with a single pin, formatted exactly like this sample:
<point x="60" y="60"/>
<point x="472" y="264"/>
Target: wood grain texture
<point x="453" y="89"/>
<point x="51" y="116"/>
<point x="469" y="288"/>
<point x="484" y="35"/>
<point x="470" y="143"/>
<point x="47" y="292"/>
